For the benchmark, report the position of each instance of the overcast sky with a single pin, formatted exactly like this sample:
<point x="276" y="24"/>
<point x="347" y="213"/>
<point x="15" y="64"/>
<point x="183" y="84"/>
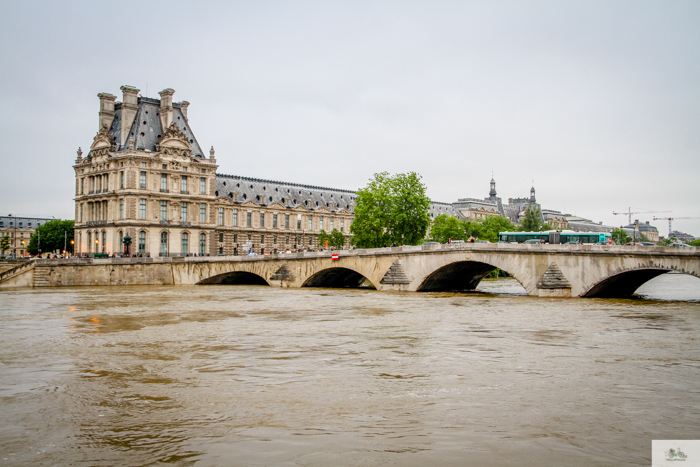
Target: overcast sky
<point x="597" y="102"/>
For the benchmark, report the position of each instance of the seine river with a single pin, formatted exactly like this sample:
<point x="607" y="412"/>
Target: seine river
<point x="253" y="376"/>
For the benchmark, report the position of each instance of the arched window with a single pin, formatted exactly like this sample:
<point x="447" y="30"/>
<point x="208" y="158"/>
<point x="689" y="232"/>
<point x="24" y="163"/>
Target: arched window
<point x="164" y="243"/>
<point x="89" y="242"/>
<point x="142" y="242"/>
<point x="185" y="241"/>
<point x="104" y="241"/>
<point x="121" y="241"/>
<point x="202" y="244"/>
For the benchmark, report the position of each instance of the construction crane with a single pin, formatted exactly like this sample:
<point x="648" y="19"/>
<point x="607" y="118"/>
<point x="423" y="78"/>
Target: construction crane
<point x="671" y="219"/>
<point x="629" y="213"/>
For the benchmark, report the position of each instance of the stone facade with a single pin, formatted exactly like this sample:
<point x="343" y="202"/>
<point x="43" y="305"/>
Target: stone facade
<point x="146" y="176"/>
<point x="20" y="230"/>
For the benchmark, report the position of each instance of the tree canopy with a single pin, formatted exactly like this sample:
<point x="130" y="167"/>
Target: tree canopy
<point x="52" y="235"/>
<point x="620" y="236"/>
<point x="335" y="239"/>
<point x="447" y="227"/>
<point x="532" y="221"/>
<point x="391" y="209"/>
<point x="4" y="244"/>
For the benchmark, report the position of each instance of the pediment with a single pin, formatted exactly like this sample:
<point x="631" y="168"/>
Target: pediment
<point x="300" y="207"/>
<point x="102" y="142"/>
<point x="224" y="200"/>
<point x="323" y="209"/>
<point x="174" y="142"/>
<point x="276" y="205"/>
<point x="250" y="204"/>
<point x="342" y="211"/>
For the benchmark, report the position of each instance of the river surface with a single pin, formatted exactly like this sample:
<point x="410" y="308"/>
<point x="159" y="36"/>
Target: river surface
<point x="253" y="376"/>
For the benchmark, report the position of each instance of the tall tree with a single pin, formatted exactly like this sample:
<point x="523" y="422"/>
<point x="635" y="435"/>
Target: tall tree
<point x="492" y="226"/>
<point x="620" y="236"/>
<point x="532" y="221"/>
<point x="391" y="209"/>
<point x="337" y="239"/>
<point x="54" y="234"/>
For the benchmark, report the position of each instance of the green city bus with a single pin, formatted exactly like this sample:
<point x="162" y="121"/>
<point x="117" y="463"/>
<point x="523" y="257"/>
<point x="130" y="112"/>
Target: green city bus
<point x="556" y="237"/>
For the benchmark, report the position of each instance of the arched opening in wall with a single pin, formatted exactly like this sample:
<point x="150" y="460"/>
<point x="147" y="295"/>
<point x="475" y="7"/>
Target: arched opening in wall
<point x="466" y="276"/>
<point x="338" y="278"/>
<point x="235" y="278"/>
<point x="652" y="283"/>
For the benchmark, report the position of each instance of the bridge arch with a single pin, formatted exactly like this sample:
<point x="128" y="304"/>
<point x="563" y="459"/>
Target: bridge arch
<point x="235" y="278"/>
<point x="625" y="283"/>
<point x="460" y="276"/>
<point x="336" y="277"/>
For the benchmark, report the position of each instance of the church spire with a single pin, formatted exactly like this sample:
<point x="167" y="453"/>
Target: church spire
<point x="492" y="192"/>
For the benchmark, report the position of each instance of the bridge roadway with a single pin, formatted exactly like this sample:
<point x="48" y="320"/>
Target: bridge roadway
<point x="543" y="270"/>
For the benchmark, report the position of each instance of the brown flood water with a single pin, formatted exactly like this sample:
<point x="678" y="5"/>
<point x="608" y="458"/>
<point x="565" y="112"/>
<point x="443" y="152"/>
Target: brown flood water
<point x="252" y="376"/>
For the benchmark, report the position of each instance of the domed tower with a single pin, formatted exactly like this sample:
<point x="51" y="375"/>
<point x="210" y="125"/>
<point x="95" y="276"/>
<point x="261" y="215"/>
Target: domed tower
<point x="532" y="194"/>
<point x="492" y="192"/>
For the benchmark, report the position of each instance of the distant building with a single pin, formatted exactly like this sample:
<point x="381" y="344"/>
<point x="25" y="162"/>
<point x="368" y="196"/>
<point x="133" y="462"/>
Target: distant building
<point x="20" y="230"/>
<point x="682" y="237"/>
<point x="646" y="229"/>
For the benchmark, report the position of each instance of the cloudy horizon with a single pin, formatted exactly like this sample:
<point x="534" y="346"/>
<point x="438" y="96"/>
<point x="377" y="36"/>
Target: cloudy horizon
<point x="596" y="103"/>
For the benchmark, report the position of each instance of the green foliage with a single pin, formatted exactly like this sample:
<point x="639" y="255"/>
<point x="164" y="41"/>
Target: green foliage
<point x="337" y="239"/>
<point x="447" y="227"/>
<point x="492" y="225"/>
<point x="666" y="241"/>
<point x="324" y="237"/>
<point x="52" y="237"/>
<point x="4" y="244"/>
<point x="620" y="236"/>
<point x="695" y="242"/>
<point x="532" y="222"/>
<point x="391" y="209"/>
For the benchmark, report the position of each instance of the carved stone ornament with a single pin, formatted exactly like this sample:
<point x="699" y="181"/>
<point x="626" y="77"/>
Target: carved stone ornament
<point x="174" y="142"/>
<point x="103" y="143"/>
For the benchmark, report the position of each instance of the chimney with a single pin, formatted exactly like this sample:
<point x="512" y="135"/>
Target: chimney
<point x="106" y="109"/>
<point x="130" y="106"/>
<point x="166" y="107"/>
<point x="183" y="108"/>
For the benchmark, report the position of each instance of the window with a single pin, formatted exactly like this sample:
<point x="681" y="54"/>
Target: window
<point x="142" y="242"/>
<point x="143" y="180"/>
<point x="221" y="237"/>
<point x="81" y="185"/>
<point x="121" y="209"/>
<point x="184" y="169"/>
<point x="104" y="241"/>
<point x="274" y="221"/>
<point x="183" y="187"/>
<point x="342" y="224"/>
<point x="262" y="240"/>
<point x="143" y="164"/>
<point x="185" y="241"/>
<point x="298" y="221"/>
<point x="274" y="239"/>
<point x="202" y="212"/>
<point x="89" y="242"/>
<point x="163" y="182"/>
<point x="164" y="243"/>
<point x="311" y="222"/>
<point x="204" y="171"/>
<point x="121" y="241"/>
<point x="262" y="220"/>
<point x="235" y="218"/>
<point x="286" y="240"/>
<point x="202" y="244"/>
<point x="164" y="210"/>
<point x="121" y="179"/>
<point x="183" y="211"/>
<point x="165" y="166"/>
<point x="249" y="219"/>
<point x="203" y="185"/>
<point x="330" y="229"/>
<point x="221" y="216"/>
<point x="235" y="238"/>
<point x="320" y="223"/>
<point x="286" y="221"/>
<point x="142" y="208"/>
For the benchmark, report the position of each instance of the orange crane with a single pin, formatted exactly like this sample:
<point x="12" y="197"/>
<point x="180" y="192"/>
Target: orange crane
<point x="629" y="213"/>
<point x="671" y="219"/>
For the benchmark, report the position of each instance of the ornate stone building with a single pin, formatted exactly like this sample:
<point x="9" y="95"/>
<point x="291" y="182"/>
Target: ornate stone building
<point x="20" y="230"/>
<point x="146" y="176"/>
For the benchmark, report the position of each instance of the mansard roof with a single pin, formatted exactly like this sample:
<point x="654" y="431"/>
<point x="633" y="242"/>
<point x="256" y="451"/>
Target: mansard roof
<point x="147" y="126"/>
<point x="288" y="194"/>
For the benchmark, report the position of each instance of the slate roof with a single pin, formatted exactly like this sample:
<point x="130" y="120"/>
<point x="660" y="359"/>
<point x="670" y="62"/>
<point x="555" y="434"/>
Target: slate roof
<point x="147" y="127"/>
<point x="291" y="195"/>
<point x="24" y="222"/>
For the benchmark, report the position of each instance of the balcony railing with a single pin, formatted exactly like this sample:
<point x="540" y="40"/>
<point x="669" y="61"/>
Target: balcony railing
<point x="184" y="192"/>
<point x="164" y="222"/>
<point x="93" y="223"/>
<point x="164" y="190"/>
<point x="185" y="224"/>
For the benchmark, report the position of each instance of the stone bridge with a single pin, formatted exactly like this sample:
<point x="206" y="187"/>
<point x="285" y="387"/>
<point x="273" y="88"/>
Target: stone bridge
<point x="543" y="270"/>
